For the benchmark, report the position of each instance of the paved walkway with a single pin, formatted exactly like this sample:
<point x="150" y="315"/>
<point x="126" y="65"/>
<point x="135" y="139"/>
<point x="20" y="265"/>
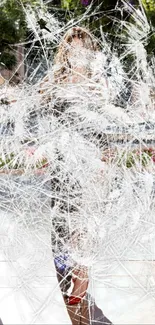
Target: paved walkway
<point x="29" y="292"/>
<point x="121" y="299"/>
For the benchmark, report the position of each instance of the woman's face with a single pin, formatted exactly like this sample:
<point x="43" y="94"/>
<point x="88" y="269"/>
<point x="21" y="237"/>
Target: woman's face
<point x="76" y="42"/>
<point x="78" y="55"/>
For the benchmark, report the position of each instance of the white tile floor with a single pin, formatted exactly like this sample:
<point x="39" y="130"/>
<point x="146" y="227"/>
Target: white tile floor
<point x="122" y="300"/>
<point x="29" y="292"/>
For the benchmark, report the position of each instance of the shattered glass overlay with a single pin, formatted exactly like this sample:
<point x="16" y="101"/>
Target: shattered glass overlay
<point x="77" y="185"/>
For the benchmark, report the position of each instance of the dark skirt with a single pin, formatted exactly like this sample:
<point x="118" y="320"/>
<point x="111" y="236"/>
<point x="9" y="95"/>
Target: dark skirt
<point x="86" y="312"/>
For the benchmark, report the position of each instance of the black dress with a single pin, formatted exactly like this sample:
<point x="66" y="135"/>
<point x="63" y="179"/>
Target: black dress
<point x="64" y="191"/>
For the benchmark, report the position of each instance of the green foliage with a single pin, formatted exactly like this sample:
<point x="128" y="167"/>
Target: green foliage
<point x="68" y="4"/>
<point x="11" y="163"/>
<point x="9" y="35"/>
<point x="151" y="44"/>
<point x="149" y="6"/>
<point x="12" y="28"/>
<point x="104" y="14"/>
<point x="101" y="14"/>
<point x="7" y="60"/>
<point x="6" y="160"/>
<point x="136" y="158"/>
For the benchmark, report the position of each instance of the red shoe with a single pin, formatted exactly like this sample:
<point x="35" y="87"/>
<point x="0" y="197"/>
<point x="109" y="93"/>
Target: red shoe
<point x="72" y="300"/>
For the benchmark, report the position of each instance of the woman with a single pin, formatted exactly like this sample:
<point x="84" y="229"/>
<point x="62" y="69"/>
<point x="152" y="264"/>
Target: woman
<point x="74" y="56"/>
<point x="72" y="67"/>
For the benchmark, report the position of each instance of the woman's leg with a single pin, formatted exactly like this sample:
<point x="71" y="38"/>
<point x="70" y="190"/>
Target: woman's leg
<point x="80" y="279"/>
<point x="64" y="278"/>
<point x="63" y="273"/>
<point x="77" y="302"/>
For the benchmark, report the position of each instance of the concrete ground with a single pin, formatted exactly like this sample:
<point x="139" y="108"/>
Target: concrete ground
<point x="29" y="292"/>
<point x="122" y="301"/>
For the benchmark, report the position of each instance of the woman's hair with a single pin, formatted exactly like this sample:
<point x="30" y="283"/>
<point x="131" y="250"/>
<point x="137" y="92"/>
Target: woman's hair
<point x="62" y="64"/>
